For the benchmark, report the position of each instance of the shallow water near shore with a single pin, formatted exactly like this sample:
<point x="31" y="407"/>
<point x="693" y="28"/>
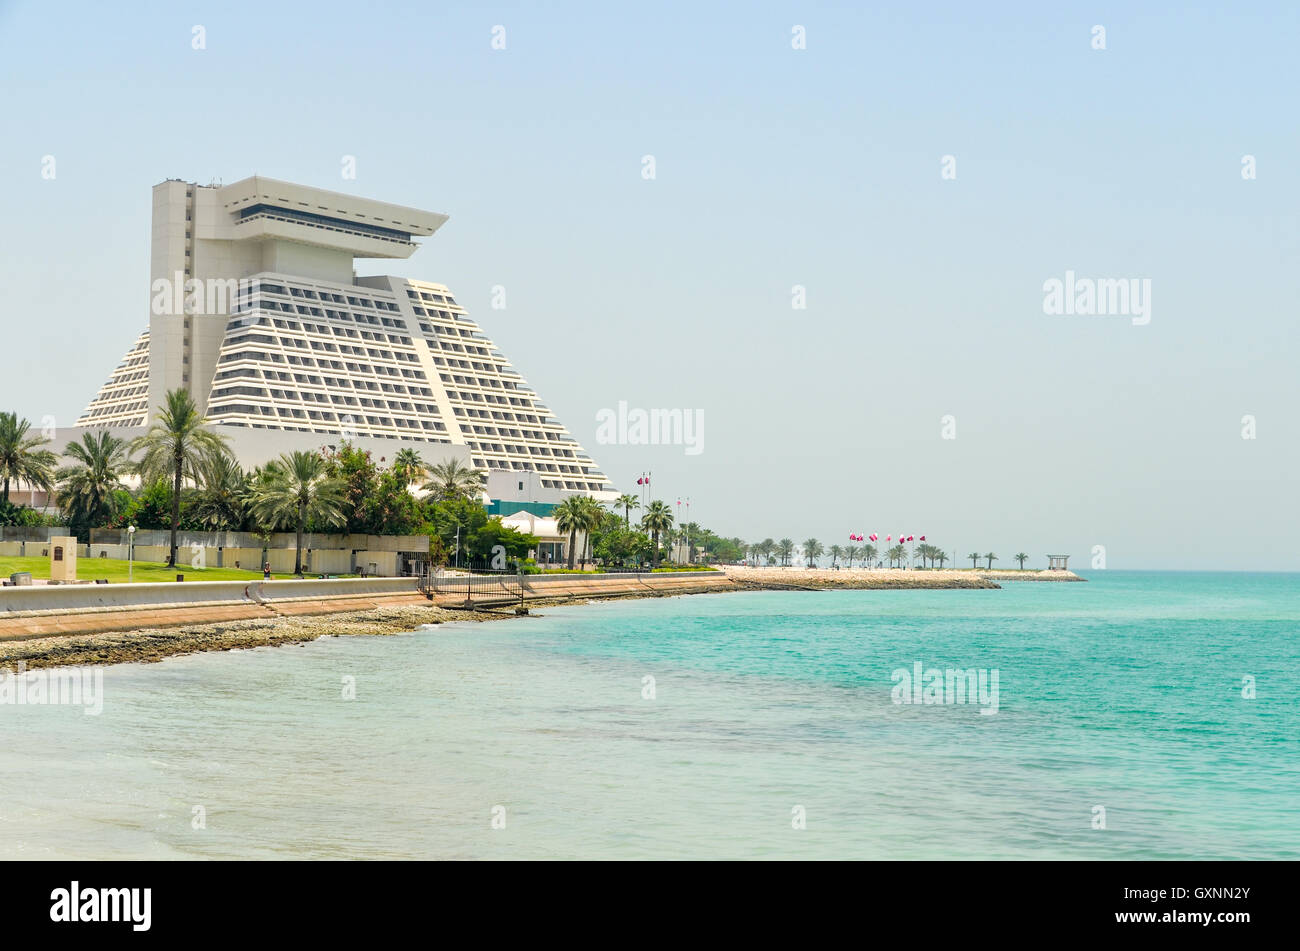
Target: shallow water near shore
<point x="1123" y="693"/>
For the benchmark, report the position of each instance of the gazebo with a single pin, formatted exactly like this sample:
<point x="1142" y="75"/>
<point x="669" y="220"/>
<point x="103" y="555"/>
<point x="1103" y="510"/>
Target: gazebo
<point x="1058" y="562"/>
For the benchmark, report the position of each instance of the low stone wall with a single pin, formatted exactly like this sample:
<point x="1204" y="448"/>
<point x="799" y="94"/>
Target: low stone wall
<point x="582" y="586"/>
<point x="1030" y="575"/>
<point x="45" y="599"/>
<point x="619" y="576"/>
<point x="42" y="611"/>
<point x="382" y="562"/>
<point x="855" y="578"/>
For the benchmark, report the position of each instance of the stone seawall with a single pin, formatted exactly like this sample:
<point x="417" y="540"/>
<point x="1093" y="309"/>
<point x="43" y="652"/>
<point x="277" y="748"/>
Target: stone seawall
<point x="44" y="611"/>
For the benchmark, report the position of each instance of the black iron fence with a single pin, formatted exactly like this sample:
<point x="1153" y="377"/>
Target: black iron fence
<point x="485" y="587"/>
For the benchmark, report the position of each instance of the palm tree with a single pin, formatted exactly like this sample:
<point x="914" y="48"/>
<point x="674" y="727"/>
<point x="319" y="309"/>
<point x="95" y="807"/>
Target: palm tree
<point x="296" y="489"/>
<point x="974" y="559"/>
<point x="657" y="520"/>
<point x="869" y="554"/>
<point x="88" y="488"/>
<point x="897" y="554"/>
<point x="21" y="459"/>
<point x="941" y="556"/>
<point x="835" y="552"/>
<point x="850" y="552"/>
<point x="812" y="550"/>
<point x="1022" y="558"/>
<point x="765" y="548"/>
<point x="627" y="502"/>
<point x="221" y="498"/>
<point x="691" y="531"/>
<point x="596" y="518"/>
<point x="175" y="446"/>
<point x="785" y="550"/>
<point x="992" y="558"/>
<point x="668" y="538"/>
<point x="453" y="480"/>
<point x="570" y="516"/>
<point x="408" y="466"/>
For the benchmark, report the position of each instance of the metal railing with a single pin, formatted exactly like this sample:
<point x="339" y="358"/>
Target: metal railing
<point x="480" y="587"/>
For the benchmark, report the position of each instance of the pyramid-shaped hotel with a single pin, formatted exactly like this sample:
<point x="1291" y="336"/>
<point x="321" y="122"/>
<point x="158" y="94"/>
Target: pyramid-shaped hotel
<point x="256" y="310"/>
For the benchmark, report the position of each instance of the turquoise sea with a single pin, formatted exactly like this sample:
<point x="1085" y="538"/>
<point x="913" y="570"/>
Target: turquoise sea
<point x="1124" y="693"/>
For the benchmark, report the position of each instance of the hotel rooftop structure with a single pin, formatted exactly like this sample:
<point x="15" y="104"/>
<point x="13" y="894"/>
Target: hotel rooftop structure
<point x="256" y="310"/>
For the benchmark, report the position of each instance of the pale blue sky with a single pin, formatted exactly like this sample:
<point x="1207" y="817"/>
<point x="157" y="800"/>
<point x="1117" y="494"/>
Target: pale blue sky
<point x="775" y="167"/>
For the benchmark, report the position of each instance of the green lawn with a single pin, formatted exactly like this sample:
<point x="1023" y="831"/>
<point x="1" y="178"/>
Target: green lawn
<point x="115" y="569"/>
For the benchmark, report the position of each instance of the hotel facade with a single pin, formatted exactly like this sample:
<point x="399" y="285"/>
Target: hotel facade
<point x="256" y="310"/>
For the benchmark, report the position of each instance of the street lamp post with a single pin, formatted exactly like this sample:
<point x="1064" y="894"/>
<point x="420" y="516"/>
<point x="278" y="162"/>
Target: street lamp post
<point x="130" y="553"/>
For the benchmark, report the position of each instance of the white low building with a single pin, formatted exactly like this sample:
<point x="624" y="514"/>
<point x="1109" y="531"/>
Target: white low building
<point x="553" y="545"/>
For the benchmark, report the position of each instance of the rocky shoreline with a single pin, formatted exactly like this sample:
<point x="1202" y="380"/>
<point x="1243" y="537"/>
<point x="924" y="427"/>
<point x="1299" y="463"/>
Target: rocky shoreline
<point x="151" y="645"/>
<point x="155" y="644"/>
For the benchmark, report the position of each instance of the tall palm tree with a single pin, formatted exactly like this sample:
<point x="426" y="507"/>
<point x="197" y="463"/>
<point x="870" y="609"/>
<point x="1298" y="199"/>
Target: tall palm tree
<point x="992" y="558"/>
<point x="88" y="488"/>
<point x="294" y="490"/>
<point x="668" y="538"/>
<point x="850" y="552"/>
<point x="897" y="554"/>
<point x="657" y="520"/>
<point x="765" y="548"/>
<point x="785" y="550"/>
<point x="571" y="516"/>
<point x="175" y="446"/>
<point x="691" y="533"/>
<point x="836" y="552"/>
<point x="974" y="559"/>
<point x="812" y="550"/>
<point x="221" y="497"/>
<point x="453" y="480"/>
<point x="941" y="556"/>
<point x="408" y="466"/>
<point x="596" y="518"/>
<point x="21" y="458"/>
<point x="627" y="502"/>
<point x="869" y="554"/>
<point x="1022" y="558"/>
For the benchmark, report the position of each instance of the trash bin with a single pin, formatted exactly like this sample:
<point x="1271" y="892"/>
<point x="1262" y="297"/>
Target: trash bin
<point x="20" y="577"/>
